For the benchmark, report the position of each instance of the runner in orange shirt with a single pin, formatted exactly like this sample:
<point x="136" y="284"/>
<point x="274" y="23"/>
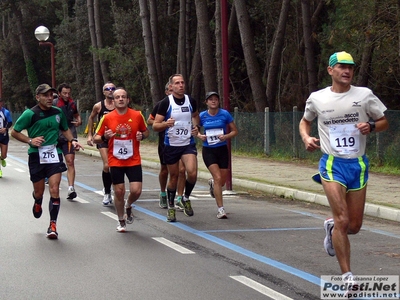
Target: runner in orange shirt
<point x="123" y="129"/>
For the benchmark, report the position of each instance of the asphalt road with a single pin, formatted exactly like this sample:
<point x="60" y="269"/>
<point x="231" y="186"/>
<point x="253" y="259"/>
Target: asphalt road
<point x="268" y="248"/>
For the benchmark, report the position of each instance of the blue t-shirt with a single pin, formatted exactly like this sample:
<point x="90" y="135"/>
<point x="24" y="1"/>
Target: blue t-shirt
<point x="5" y="119"/>
<point x="215" y="123"/>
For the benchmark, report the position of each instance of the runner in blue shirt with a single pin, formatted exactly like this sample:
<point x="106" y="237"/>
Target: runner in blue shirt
<point x="215" y="121"/>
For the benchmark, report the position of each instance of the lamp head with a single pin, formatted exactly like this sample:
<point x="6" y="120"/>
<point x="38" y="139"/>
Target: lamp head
<point x="42" y="33"/>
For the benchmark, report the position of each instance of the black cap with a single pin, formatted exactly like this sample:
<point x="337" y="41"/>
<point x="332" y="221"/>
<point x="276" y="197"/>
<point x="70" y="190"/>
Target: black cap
<point x="209" y="94"/>
<point x="44" y="88"/>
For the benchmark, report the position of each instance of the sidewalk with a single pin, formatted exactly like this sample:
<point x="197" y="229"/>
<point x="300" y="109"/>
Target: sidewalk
<point x="289" y="180"/>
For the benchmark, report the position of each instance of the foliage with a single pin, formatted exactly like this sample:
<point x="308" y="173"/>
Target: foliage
<point x="340" y="25"/>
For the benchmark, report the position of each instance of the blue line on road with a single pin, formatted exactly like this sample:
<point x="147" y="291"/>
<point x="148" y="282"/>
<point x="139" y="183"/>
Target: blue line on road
<point x="264" y="229"/>
<point x="276" y="264"/>
<point x="18" y="159"/>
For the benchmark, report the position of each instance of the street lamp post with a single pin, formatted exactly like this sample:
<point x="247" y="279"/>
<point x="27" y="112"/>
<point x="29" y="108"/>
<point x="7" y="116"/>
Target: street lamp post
<point x="42" y="33"/>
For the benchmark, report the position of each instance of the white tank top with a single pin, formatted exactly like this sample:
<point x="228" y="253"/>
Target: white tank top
<point x="180" y="134"/>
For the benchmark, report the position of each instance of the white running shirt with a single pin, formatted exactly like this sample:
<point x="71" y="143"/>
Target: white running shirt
<point x="338" y="114"/>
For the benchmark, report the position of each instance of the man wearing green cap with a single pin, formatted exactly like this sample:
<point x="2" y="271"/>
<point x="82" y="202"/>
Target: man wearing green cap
<point x="346" y="115"/>
<point x="42" y="124"/>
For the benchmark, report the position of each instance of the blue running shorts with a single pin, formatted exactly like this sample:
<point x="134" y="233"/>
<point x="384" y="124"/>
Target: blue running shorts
<point x="351" y="173"/>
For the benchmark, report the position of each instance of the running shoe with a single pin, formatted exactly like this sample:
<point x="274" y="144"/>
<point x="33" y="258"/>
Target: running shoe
<point x="188" y="211"/>
<point x="328" y="245"/>
<point x="1" y="173"/>
<point x="71" y="193"/>
<point x="211" y="184"/>
<point x="221" y="213"/>
<point x="121" y="226"/>
<point x="163" y="201"/>
<point x="171" y="215"/>
<point x="37" y="209"/>
<point x="107" y="199"/>
<point x="129" y="215"/>
<point x="46" y="181"/>
<point x="350" y="283"/>
<point x="3" y="162"/>
<point x="52" y="231"/>
<point x="178" y="205"/>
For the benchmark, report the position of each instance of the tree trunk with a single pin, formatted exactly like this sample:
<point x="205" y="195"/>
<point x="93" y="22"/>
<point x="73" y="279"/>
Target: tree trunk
<point x="232" y="26"/>
<point x="309" y="47"/>
<point x="188" y="38"/>
<point x="156" y="46"/>
<point x="273" y="71"/>
<point x="195" y="82"/>
<point x="96" y="66"/>
<point x="30" y="70"/>
<point x="149" y="51"/>
<point x="181" y="57"/>
<point x="206" y="51"/>
<point x="250" y="57"/>
<point x="369" y="46"/>
<point x="99" y="39"/>
<point x="218" y="47"/>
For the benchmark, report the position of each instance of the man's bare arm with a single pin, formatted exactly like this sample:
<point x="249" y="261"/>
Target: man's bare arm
<point x="92" y="116"/>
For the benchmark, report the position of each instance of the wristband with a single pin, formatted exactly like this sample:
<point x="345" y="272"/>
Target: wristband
<point x="371" y="126"/>
<point x="142" y="136"/>
<point x="73" y="140"/>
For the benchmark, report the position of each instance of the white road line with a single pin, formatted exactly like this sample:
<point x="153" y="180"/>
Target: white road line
<point x="19" y="170"/>
<point x="110" y="214"/>
<point x="191" y="198"/>
<point x="99" y="193"/>
<point x="80" y="200"/>
<point x="260" y="288"/>
<point x="172" y="245"/>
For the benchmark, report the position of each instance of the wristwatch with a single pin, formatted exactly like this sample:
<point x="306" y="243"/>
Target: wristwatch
<point x="73" y="140"/>
<point x="371" y="126"/>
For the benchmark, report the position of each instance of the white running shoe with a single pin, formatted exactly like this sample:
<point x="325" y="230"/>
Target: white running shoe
<point x="221" y="213"/>
<point x="71" y="193"/>
<point x="107" y="199"/>
<point x="350" y="283"/>
<point x="121" y="226"/>
<point x="328" y="245"/>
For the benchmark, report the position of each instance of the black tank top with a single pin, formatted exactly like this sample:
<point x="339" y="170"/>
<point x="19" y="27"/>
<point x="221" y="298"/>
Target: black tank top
<point x="104" y="110"/>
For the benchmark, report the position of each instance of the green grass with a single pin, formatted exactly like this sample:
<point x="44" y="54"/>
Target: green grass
<point x="375" y="167"/>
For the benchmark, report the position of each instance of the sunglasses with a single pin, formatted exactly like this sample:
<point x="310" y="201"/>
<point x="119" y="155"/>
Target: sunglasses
<point x="109" y="89"/>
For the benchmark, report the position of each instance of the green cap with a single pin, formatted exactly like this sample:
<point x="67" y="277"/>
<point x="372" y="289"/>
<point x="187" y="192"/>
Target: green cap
<point x="341" y="58"/>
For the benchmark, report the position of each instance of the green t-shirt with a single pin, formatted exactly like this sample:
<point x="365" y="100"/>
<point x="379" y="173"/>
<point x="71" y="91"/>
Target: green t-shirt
<point x="44" y="123"/>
